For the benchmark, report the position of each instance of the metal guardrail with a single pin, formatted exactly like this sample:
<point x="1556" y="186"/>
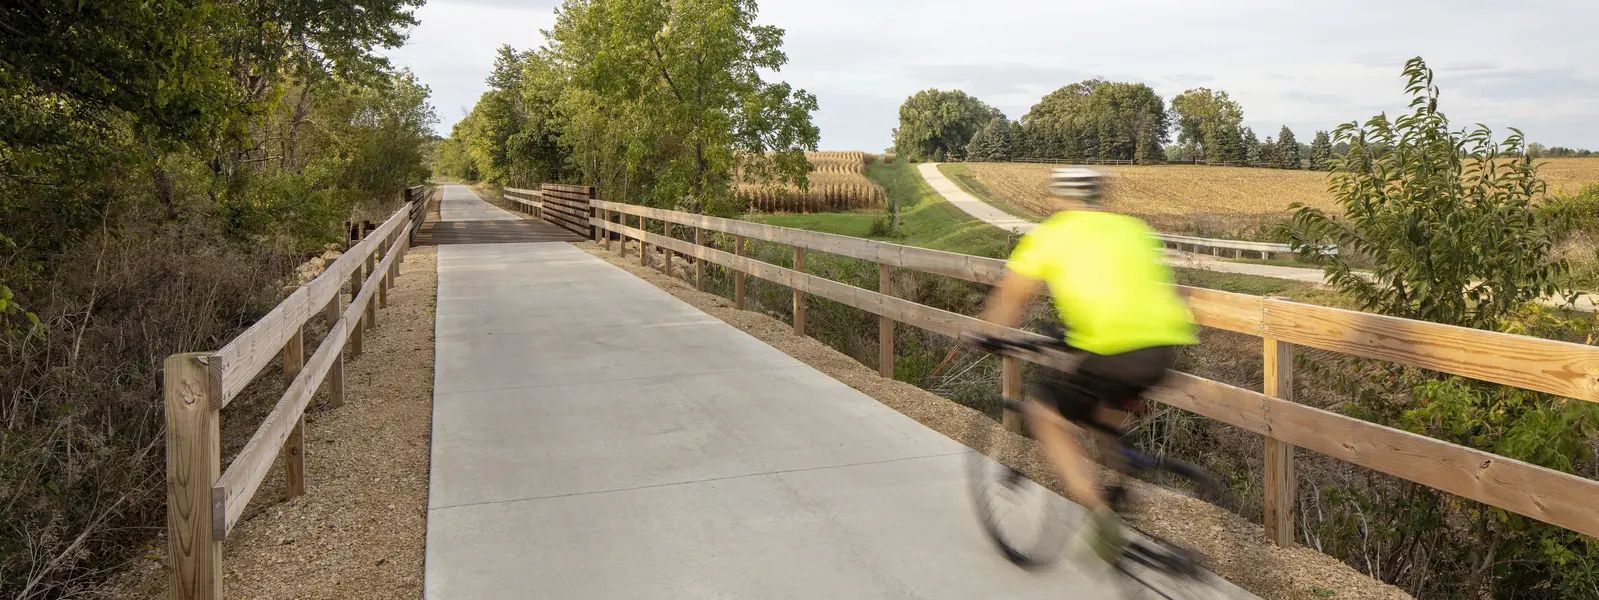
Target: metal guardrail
<point x="1238" y="245"/>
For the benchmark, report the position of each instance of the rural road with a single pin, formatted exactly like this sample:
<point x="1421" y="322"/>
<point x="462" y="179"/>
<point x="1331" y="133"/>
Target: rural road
<point x="989" y="214"/>
<point x="595" y="437"/>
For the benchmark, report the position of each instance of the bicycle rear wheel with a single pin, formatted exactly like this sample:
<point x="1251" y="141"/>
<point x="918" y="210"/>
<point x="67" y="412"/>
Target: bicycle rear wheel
<point x="1026" y="521"/>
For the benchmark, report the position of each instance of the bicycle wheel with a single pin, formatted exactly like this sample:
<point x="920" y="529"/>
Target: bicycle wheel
<point x="1024" y="520"/>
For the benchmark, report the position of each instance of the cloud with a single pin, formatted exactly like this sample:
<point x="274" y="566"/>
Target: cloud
<point x="1315" y="97"/>
<point x="1307" y="64"/>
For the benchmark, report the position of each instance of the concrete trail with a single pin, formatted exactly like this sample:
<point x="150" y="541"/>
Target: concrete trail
<point x="594" y="437"/>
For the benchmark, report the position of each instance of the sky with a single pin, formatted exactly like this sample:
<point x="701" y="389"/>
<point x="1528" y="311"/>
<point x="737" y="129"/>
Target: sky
<point x="1308" y="65"/>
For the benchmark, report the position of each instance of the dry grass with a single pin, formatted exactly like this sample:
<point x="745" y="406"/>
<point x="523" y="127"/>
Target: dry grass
<point x="1569" y="175"/>
<point x="359" y="530"/>
<point x="838" y="183"/>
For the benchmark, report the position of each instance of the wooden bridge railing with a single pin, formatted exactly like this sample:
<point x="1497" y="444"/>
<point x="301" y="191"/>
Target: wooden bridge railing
<point x="1565" y="369"/>
<point x="204" y="502"/>
<point x="565" y="206"/>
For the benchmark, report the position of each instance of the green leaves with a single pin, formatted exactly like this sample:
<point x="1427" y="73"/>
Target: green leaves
<point x="935" y="124"/>
<point x="1449" y="225"/>
<point x="1098" y="119"/>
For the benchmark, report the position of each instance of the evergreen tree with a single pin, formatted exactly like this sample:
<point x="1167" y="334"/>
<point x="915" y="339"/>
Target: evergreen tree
<point x="1251" y="146"/>
<point x="1287" y="149"/>
<point x="974" y="147"/>
<point x="991" y="143"/>
<point x="1321" y="152"/>
<point x="1230" y="147"/>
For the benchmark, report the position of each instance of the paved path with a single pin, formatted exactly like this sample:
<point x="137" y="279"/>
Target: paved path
<point x="984" y="211"/>
<point x="594" y="437"/>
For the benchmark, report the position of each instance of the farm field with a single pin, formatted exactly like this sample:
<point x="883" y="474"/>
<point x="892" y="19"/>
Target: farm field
<point x="838" y="182"/>
<point x="1201" y="200"/>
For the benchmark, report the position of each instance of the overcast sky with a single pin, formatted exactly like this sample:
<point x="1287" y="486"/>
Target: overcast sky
<point x="1311" y="65"/>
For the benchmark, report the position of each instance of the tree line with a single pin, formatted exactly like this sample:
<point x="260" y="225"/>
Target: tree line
<point x="661" y="104"/>
<point x="163" y="166"/>
<point x="1096" y="119"/>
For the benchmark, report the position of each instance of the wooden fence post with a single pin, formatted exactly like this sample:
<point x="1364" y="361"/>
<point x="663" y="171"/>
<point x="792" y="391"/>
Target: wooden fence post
<point x="371" y="319"/>
<point x="605" y="216"/>
<point x="194" y="463"/>
<point x="1279" y="505"/>
<point x="357" y="327"/>
<point x="738" y="276"/>
<point x="1011" y="388"/>
<point x="594" y="230"/>
<point x="643" y="248"/>
<point x="294" y="447"/>
<point x="799" y="297"/>
<point x="699" y="265"/>
<point x="383" y="281"/>
<point x="331" y="314"/>
<point x="666" y="253"/>
<point x="885" y="325"/>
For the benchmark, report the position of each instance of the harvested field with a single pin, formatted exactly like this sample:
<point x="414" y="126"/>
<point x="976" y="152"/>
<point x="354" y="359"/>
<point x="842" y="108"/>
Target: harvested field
<point x="1214" y="200"/>
<point x="838" y="183"/>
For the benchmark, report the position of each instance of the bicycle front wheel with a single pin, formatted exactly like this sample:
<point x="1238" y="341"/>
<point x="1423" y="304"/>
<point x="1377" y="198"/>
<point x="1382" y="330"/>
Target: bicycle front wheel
<point x="1026" y="521"/>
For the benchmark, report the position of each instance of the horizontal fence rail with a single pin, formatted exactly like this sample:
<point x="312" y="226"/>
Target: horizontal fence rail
<point x="1555" y="367"/>
<point x="206" y="502"/>
<point x="1178" y="241"/>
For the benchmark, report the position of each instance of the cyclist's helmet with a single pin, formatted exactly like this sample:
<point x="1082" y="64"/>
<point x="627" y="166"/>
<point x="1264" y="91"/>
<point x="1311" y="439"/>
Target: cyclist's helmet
<point x="1078" y="183"/>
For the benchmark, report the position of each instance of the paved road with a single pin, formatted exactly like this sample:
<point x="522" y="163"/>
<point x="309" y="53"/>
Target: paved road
<point x="594" y="437"/>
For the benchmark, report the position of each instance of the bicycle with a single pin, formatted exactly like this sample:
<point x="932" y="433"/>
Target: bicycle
<point x="995" y="479"/>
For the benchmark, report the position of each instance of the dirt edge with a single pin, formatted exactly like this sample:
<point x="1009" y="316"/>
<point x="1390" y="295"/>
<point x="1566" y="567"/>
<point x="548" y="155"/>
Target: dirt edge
<point x="359" y="530"/>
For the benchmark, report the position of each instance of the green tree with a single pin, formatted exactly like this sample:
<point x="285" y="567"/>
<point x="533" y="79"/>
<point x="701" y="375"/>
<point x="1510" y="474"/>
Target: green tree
<point x="1101" y="119"/>
<point x="1321" y="152"/>
<point x="1287" y="149"/>
<point x="934" y="123"/>
<point x="991" y="143"/>
<point x="664" y="101"/>
<point x="1253" y="151"/>
<point x="1447" y="220"/>
<point x="1421" y="201"/>
<point x="1206" y="122"/>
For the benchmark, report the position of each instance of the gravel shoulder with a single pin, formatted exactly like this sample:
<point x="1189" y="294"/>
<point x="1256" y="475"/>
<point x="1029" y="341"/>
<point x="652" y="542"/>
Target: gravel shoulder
<point x="1238" y="549"/>
<point x="359" y="530"/>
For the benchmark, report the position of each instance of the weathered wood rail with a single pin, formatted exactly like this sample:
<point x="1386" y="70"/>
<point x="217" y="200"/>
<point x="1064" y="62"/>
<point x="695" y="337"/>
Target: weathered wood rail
<point x="205" y="502"/>
<point x="565" y="206"/>
<point x="1564" y="369"/>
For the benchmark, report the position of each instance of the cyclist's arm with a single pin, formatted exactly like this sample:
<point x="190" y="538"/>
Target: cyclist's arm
<point x="1006" y="303"/>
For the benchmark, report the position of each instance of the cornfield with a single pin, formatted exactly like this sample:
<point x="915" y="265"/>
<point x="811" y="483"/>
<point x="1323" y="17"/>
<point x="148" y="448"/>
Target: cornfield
<point x="838" y="183"/>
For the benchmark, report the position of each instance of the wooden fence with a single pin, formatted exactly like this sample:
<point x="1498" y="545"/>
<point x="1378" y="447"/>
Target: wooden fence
<point x="1564" y="369"/>
<point x="565" y="206"/>
<point x="204" y="502"/>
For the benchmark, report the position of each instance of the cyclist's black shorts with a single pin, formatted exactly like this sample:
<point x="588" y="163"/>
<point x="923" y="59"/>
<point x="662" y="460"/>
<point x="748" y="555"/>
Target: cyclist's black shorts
<point x="1114" y="380"/>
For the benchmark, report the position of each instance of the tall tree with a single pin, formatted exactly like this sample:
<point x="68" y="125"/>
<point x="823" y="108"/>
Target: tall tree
<point x="1321" y="152"/>
<point x="1102" y="119"/>
<point x="991" y="143"/>
<point x="1252" y="148"/>
<point x="1287" y="149"/>
<point x="1206" y="122"/>
<point x="666" y="99"/>
<point x="934" y="124"/>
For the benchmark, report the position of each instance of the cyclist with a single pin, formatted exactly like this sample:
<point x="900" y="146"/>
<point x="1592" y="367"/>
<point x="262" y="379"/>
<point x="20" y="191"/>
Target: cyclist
<point x="1122" y="311"/>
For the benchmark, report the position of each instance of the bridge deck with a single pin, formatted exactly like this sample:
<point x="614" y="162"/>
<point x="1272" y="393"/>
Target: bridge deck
<point x="466" y="219"/>
<point x="594" y="437"/>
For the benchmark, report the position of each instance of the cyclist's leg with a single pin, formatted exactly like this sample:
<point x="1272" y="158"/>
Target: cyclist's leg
<point x="1059" y="439"/>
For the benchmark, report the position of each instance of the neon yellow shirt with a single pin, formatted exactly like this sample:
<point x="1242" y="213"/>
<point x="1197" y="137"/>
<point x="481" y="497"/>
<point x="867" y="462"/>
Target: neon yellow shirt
<point x="1110" y="281"/>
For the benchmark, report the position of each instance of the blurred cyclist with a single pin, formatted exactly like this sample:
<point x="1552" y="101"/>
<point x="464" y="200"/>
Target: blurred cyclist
<point x="1122" y="311"/>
